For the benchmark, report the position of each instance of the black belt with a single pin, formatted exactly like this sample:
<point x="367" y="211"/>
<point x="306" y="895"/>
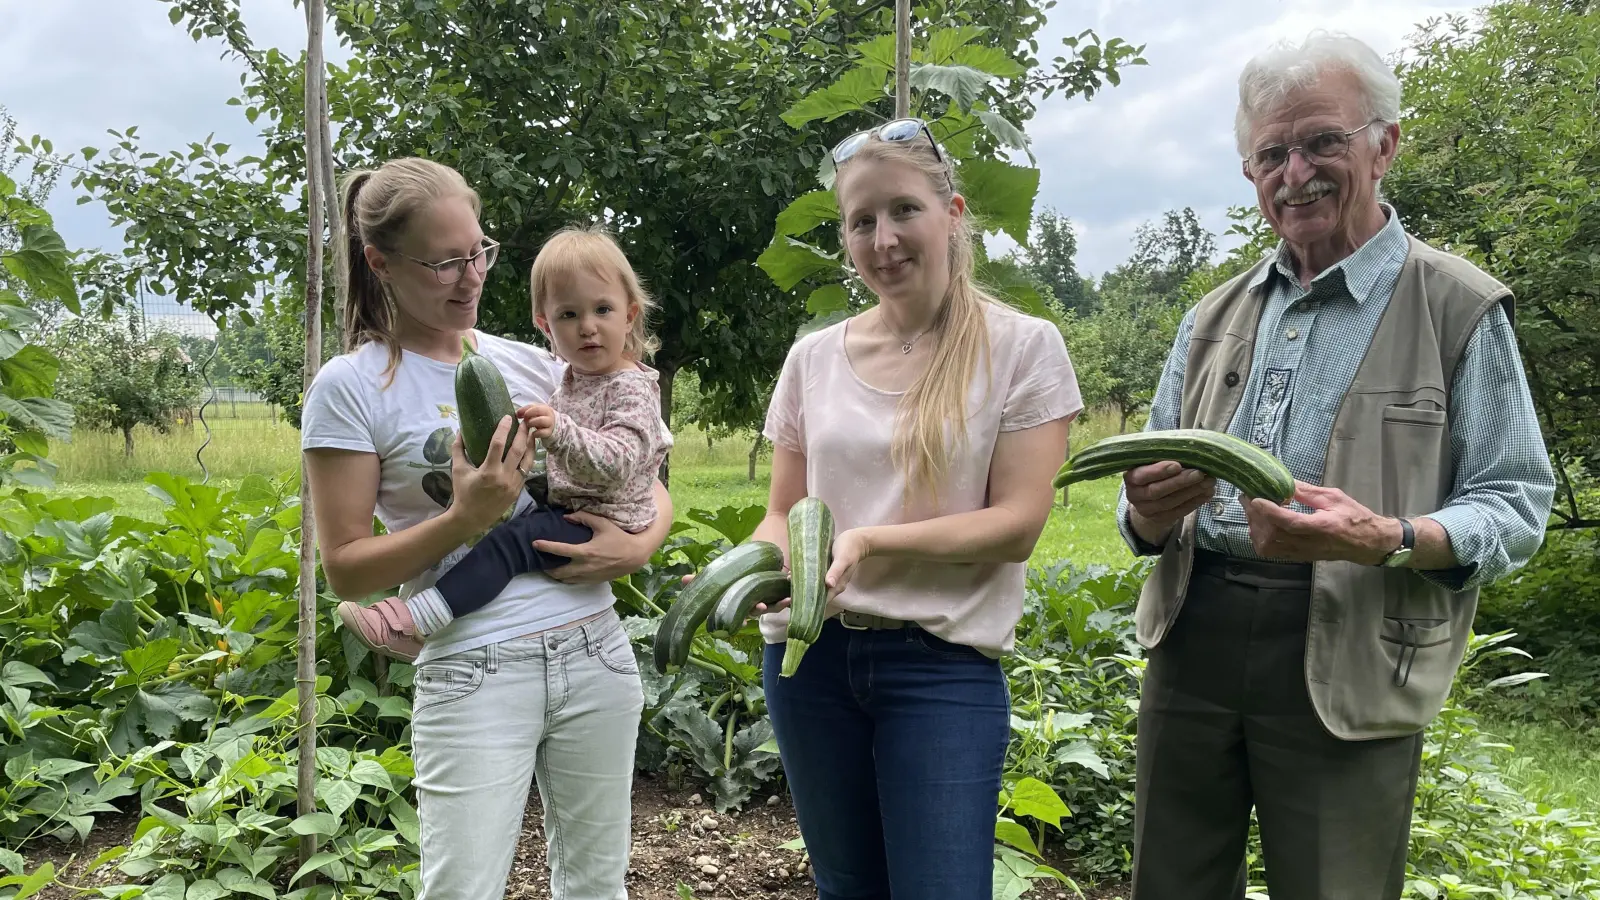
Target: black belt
<point x="856" y="621"/>
<point x="1254" y="571"/>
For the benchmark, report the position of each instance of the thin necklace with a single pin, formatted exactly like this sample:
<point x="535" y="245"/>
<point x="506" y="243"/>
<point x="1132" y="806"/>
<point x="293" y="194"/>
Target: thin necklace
<point x="905" y="345"/>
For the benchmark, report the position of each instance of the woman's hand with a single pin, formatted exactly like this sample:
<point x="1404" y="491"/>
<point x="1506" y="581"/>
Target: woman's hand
<point x="610" y="554"/>
<point x="850" y="547"/>
<point x="481" y="494"/>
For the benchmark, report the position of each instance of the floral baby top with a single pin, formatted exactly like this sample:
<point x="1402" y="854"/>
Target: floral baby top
<point x="609" y="442"/>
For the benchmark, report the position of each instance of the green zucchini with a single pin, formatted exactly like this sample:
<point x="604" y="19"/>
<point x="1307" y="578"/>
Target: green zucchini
<point x="481" y="402"/>
<point x="1254" y="471"/>
<point x="736" y="602"/>
<point x="676" y="631"/>
<point x="810" y="555"/>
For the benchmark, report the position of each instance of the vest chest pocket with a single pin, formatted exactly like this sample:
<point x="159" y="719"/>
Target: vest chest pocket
<point x="1415" y="451"/>
<point x="1414" y="415"/>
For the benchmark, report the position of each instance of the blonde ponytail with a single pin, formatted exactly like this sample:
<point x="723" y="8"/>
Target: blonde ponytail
<point x="378" y="206"/>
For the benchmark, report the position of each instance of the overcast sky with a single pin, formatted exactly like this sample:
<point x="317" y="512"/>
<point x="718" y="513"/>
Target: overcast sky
<point x="70" y="69"/>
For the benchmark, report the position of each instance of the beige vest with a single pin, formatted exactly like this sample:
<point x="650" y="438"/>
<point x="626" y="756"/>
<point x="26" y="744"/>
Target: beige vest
<point x="1382" y="645"/>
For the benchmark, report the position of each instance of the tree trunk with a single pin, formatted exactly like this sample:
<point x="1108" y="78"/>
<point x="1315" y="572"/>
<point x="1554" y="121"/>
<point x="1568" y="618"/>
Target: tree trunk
<point x="667" y="374"/>
<point x="1122" y="426"/>
<point x="127" y="441"/>
<point x="755" y="450"/>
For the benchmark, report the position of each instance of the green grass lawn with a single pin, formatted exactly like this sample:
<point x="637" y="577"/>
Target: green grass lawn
<point x="1554" y="764"/>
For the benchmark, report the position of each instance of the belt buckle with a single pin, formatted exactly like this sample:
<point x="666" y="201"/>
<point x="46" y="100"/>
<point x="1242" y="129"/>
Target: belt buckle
<point x="849" y="620"/>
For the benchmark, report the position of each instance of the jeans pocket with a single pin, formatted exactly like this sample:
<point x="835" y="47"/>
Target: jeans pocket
<point x="938" y="646"/>
<point x="616" y="653"/>
<point x="445" y="681"/>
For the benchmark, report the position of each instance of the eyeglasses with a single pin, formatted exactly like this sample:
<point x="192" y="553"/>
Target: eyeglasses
<point x="1318" y="149"/>
<point x="451" y="270"/>
<point x="900" y="130"/>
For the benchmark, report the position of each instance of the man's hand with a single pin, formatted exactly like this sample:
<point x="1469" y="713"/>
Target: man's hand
<point x="1337" y="528"/>
<point x="540" y="419"/>
<point x="1161" y="494"/>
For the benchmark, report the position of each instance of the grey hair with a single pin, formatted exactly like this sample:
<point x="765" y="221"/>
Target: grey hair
<point x="1283" y="67"/>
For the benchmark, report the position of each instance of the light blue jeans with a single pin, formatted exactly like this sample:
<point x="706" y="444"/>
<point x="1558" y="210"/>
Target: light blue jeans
<point x="563" y="707"/>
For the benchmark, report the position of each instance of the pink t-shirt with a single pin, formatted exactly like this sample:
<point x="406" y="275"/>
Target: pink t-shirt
<point x="845" y="428"/>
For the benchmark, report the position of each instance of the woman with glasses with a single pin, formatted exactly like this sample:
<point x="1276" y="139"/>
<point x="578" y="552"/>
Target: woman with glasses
<point x="542" y="683"/>
<point x="931" y="425"/>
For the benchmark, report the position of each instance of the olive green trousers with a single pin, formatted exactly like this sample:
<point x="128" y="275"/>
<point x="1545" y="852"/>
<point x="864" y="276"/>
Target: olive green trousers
<point x="1226" y="725"/>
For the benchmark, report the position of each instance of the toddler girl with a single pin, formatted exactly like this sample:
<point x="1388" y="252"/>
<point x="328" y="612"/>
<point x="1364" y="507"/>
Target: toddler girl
<point x="603" y="436"/>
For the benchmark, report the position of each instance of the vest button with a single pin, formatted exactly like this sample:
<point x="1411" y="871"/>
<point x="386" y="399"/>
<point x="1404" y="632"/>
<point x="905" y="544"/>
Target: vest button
<point x="1231" y="379"/>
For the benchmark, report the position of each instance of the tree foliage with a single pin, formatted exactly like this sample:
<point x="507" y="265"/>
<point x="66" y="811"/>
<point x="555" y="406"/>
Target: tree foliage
<point x="1500" y="162"/>
<point x="34" y="265"/>
<point x="677" y="125"/>
<point x="1120" y="346"/>
<point x="1163" y="258"/>
<point x="1051" y="260"/>
<point x="268" y="355"/>
<point x="966" y="82"/>
<point x="120" y="373"/>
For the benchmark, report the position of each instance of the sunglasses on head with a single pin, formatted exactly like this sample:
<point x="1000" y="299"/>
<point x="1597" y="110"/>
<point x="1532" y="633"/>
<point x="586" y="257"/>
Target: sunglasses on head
<point x="898" y="131"/>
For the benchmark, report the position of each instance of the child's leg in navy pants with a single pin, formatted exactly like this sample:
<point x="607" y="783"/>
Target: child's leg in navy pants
<point x="506" y="552"/>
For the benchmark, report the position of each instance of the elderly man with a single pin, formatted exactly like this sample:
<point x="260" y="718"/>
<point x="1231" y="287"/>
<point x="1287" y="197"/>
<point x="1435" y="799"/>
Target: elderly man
<point x="1296" y="652"/>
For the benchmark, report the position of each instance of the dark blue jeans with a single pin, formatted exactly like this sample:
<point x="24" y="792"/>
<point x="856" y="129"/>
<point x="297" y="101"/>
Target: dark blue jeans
<point x="506" y="552"/>
<point x="893" y="743"/>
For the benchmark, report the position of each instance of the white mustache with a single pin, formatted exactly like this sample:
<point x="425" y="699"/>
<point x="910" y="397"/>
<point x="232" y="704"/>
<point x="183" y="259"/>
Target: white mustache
<point x="1315" y="184"/>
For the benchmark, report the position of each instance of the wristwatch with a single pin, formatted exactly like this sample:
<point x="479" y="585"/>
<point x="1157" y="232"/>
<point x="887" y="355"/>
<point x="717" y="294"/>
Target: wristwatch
<point x="1398" y="556"/>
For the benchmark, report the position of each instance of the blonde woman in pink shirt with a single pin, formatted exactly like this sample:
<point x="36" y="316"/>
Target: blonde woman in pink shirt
<point x="931" y="425"/>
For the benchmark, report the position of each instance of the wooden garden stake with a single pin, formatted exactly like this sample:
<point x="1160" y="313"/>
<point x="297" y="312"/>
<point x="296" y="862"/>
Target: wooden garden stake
<point x="902" y="58"/>
<point x="306" y="662"/>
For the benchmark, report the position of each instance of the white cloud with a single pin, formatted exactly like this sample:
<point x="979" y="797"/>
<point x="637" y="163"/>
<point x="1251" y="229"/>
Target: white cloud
<point x="73" y="69"/>
<point x="1164" y="138"/>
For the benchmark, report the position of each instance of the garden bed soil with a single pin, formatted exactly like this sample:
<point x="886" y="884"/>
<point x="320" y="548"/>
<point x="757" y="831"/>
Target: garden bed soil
<point x="677" y="839"/>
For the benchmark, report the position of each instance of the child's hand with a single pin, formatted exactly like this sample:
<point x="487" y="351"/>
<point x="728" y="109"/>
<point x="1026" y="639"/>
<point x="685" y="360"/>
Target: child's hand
<point x="539" y="419"/>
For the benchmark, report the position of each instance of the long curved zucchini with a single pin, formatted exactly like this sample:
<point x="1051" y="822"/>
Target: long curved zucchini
<point x="810" y="555"/>
<point x="736" y="602"/>
<point x="683" y="618"/>
<point x="1242" y="464"/>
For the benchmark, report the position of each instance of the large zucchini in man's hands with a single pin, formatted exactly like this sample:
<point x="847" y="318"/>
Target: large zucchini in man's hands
<point x="1242" y="464"/>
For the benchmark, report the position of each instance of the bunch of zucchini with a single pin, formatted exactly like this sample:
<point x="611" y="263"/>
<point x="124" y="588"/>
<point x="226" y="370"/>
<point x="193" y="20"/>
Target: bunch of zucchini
<point x="1242" y="464"/>
<point x="722" y="596"/>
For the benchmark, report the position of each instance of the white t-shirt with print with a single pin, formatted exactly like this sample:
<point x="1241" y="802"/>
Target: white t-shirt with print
<point x="410" y="424"/>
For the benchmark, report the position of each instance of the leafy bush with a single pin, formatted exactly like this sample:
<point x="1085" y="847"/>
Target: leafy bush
<point x="1474" y="834"/>
<point x="1553" y="606"/>
<point x="153" y="667"/>
<point x="1075" y="690"/>
<point x="150" y="668"/>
